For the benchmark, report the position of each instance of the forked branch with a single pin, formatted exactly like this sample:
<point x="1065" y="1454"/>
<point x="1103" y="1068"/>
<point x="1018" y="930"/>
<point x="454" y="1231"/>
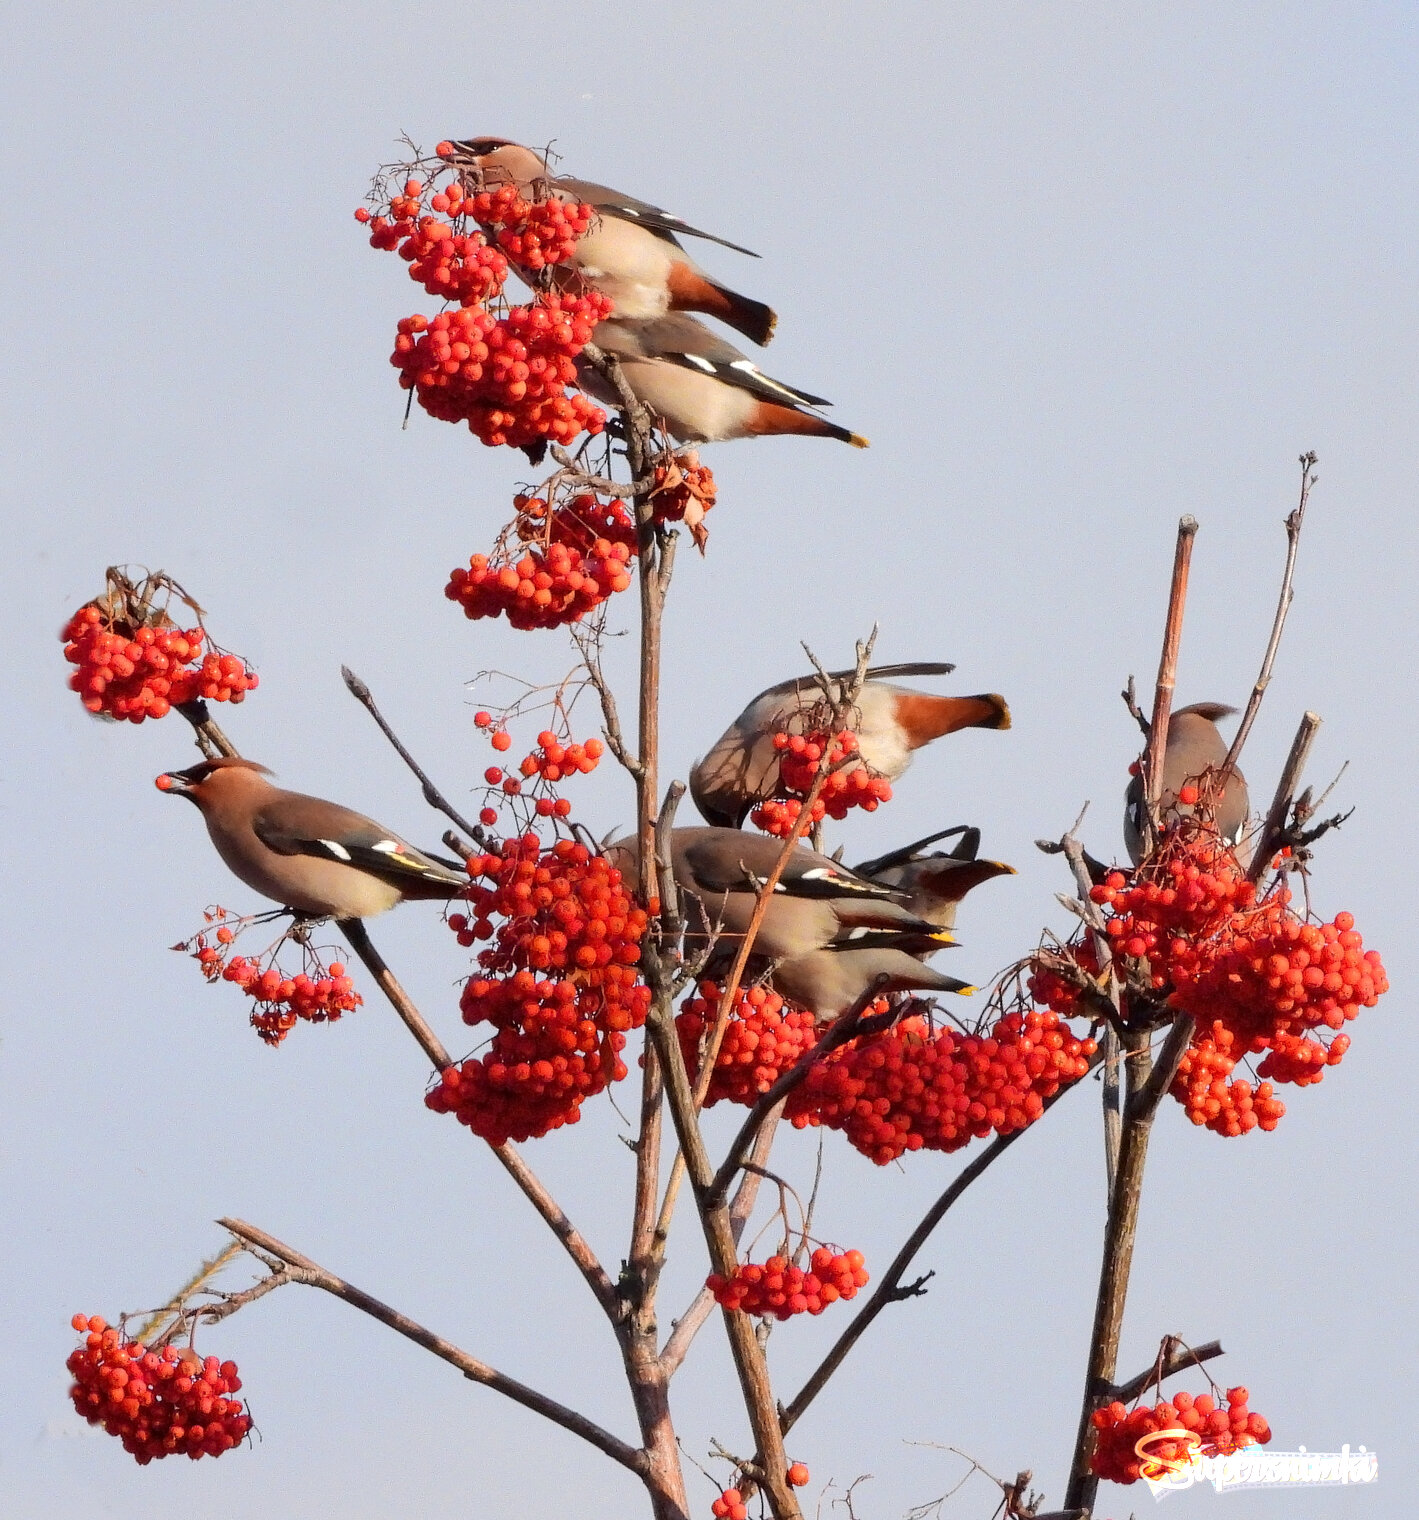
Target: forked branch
<point x="302" y="1269"/>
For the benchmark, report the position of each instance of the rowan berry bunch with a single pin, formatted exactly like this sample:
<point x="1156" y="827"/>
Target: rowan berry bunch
<point x="730" y="1506"/>
<point x="532" y="233"/>
<point x="572" y="558"/>
<point x="161" y="1402"/>
<point x="317" y="993"/>
<point x="1255" y="976"/>
<point x="764" y="1037"/>
<point x="531" y="789"/>
<point x="134" y="662"/>
<point x="912" y="1088"/>
<point x="559" y="987"/>
<point x="505" y="375"/>
<point x="801" y="757"/>
<point x="447" y="258"/>
<point x="1172" y="1431"/>
<point x="780" y="1289"/>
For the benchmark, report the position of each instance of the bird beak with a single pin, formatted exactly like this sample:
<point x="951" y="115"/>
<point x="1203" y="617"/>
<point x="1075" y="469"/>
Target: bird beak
<point x="176" y="784"/>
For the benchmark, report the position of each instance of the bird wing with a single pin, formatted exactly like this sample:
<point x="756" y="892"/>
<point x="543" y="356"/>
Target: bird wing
<point x="655" y="219"/>
<point x="297" y="825"/>
<point x="745" y="375"/>
<point x="737" y="862"/>
<point x="874" y="673"/>
<point x="965" y="850"/>
<point x="679" y="339"/>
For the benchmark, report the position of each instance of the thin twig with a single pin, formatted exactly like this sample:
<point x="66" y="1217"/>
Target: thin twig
<point x="1175" y="1358"/>
<point x="551" y="1211"/>
<point x="587" y="640"/>
<point x="890" y="1289"/>
<point x="316" y="1276"/>
<point x="432" y="795"/>
<point x="1111" y="1051"/>
<point x="573" y="1241"/>
<point x="1283" y="605"/>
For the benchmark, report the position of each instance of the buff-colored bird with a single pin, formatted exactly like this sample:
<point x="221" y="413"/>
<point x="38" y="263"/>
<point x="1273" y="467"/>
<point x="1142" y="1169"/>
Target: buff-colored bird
<point x="312" y="856"/>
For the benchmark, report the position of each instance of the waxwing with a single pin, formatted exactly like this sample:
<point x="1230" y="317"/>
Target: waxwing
<point x="1194" y="748"/>
<point x="307" y="854"/>
<point x="742" y="768"/>
<point x="701" y="388"/>
<point x="631" y="252"/>
<point x="936" y="883"/>
<point x="816" y="900"/>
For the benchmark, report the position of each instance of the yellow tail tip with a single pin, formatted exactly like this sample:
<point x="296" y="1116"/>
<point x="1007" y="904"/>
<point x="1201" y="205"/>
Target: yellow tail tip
<point x="858" y="441"/>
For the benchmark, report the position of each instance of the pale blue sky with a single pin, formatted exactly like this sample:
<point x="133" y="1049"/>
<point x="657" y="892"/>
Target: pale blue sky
<point x="1074" y="269"/>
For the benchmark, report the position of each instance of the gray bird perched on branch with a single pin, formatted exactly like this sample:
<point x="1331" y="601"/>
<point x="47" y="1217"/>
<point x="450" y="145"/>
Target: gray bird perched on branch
<point x="312" y="856"/>
<point x="828" y="932"/>
<point x="702" y="388"/>
<point x="632" y="252"/>
<point x="1195" y="747"/>
<point x="742" y="767"/>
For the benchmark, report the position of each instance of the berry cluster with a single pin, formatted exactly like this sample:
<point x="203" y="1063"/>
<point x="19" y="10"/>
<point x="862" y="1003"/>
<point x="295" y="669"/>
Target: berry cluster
<point x="159" y="1403"/>
<point x="533" y="234"/>
<point x="912" y="1088"/>
<point x="763" y="1039"/>
<point x="730" y="1506"/>
<point x="317" y="993"/>
<point x="778" y="1288"/>
<point x="136" y="672"/>
<point x="454" y="265"/>
<point x="1255" y="976"/>
<point x="801" y="756"/>
<point x="555" y="758"/>
<point x="552" y="760"/>
<point x="574" y="557"/>
<point x="1171" y="1432"/>
<point x="559" y="987"/>
<point x="505" y="376"/>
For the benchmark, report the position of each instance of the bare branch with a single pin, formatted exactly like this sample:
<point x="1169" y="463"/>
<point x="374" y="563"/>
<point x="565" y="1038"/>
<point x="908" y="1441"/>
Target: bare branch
<point x="1175" y="1356"/>
<point x="742" y="1206"/>
<point x="1278" y="623"/>
<point x="432" y="795"/>
<point x="210" y="739"/>
<point x="1272" y="829"/>
<point x="588" y="643"/>
<point x="1130" y="699"/>
<point x="1120" y="1232"/>
<point x="358" y="936"/>
<point x="315" y="1276"/>
<point x="573" y="1241"/>
<point x="891" y="1289"/>
<point x="1167" y="677"/>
